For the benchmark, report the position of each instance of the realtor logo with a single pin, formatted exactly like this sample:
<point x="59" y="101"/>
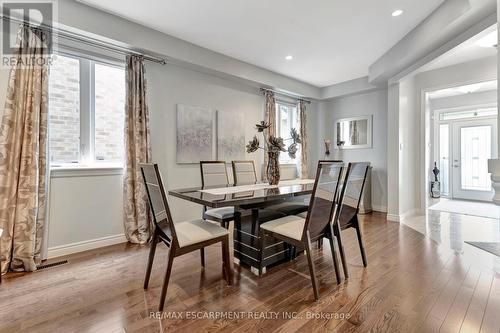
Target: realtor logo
<point x="38" y="14"/>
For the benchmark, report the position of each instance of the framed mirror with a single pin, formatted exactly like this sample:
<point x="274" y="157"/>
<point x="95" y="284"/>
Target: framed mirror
<point x="353" y="133"/>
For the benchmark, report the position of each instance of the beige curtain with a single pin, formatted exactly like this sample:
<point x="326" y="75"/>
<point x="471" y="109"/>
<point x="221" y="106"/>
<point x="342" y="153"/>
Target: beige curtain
<point x="304" y="162"/>
<point x="23" y="154"/>
<point x="270" y="118"/>
<point x="137" y="150"/>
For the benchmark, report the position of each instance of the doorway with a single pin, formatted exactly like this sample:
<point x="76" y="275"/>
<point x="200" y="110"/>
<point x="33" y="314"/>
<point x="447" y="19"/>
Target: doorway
<point x="466" y="140"/>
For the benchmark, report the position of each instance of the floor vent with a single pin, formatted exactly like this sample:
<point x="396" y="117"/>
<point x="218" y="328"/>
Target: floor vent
<point x="58" y="263"/>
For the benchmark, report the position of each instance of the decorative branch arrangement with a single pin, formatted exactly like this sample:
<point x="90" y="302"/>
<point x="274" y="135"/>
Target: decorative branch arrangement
<point x="273" y="146"/>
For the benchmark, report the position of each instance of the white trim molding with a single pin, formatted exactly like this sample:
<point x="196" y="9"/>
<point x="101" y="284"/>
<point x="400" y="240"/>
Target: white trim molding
<point x="393" y="217"/>
<point x="63" y="250"/>
<point x="65" y="172"/>
<point x="401" y="217"/>
<point x="379" y="208"/>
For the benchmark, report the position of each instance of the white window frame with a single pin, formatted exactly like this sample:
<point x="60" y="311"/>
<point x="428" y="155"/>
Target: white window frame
<point x="86" y="159"/>
<point x="284" y="158"/>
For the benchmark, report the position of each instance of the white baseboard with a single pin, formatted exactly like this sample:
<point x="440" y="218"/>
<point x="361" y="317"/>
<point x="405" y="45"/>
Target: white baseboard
<point x="393" y="217"/>
<point x="401" y="217"/>
<point x="410" y="213"/>
<point x="63" y="250"/>
<point x="379" y="208"/>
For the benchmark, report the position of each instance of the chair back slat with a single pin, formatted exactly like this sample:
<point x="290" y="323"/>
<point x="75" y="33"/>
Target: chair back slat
<point x="213" y="173"/>
<point x="158" y="201"/>
<point x="322" y="204"/>
<point x="244" y="172"/>
<point x="352" y="190"/>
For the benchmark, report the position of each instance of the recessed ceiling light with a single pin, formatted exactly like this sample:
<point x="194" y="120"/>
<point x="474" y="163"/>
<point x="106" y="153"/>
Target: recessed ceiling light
<point x="288" y="57"/>
<point x="397" y="12"/>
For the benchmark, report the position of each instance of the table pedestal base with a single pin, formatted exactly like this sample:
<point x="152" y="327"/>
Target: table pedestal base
<point x="246" y="243"/>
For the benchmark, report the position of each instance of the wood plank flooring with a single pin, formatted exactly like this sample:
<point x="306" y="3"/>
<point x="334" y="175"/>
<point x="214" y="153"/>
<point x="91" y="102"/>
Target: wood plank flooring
<point x="411" y="284"/>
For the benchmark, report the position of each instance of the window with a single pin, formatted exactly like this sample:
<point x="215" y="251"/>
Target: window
<point x="456" y="115"/>
<point x="86" y="112"/>
<point x="287" y="118"/>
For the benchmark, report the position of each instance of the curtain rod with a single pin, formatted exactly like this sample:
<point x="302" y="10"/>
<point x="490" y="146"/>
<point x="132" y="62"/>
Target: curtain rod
<point x="287" y="95"/>
<point x="90" y="41"/>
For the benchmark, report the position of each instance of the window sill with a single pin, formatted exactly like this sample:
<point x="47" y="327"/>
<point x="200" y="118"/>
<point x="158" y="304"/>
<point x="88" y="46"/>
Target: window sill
<point x="288" y="165"/>
<point x="66" y="171"/>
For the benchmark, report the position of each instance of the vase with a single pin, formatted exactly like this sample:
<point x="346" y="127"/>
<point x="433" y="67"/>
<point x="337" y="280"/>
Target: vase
<point x="273" y="168"/>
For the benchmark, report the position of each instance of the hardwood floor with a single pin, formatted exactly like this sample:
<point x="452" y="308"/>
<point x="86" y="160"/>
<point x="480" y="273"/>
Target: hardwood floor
<point x="412" y="284"/>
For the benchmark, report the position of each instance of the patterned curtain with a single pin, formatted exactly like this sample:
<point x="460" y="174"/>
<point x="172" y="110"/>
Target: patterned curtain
<point x="138" y="227"/>
<point x="23" y="154"/>
<point x="270" y="118"/>
<point x="304" y="162"/>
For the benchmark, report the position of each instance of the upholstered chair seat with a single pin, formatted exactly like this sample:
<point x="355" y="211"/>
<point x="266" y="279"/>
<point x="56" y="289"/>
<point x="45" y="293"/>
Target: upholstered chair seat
<point x="289" y="226"/>
<point x="222" y="213"/>
<point x="191" y="232"/>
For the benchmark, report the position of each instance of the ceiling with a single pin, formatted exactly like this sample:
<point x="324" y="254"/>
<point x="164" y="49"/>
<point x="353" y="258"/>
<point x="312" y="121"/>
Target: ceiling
<point x="474" y="48"/>
<point x="331" y="41"/>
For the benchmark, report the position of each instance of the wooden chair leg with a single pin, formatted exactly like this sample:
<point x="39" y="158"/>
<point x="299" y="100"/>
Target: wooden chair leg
<point x="202" y="256"/>
<point x="341" y="250"/>
<point x="226" y="258"/>
<point x="334" y="255"/>
<point x="152" y="251"/>
<point x="171" y="256"/>
<point x="312" y="270"/>
<point x="361" y="245"/>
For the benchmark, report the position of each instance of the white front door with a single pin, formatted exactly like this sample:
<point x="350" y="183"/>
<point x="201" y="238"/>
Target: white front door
<point x="473" y="142"/>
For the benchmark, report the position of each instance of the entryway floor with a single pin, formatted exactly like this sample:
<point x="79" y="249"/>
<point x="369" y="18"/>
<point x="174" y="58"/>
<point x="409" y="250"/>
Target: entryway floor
<point x="474" y="208"/>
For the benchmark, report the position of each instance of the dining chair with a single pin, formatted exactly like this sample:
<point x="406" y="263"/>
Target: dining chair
<point x="180" y="237"/>
<point x="244" y="174"/>
<point x="348" y="208"/>
<point x="301" y="232"/>
<point x="214" y="174"/>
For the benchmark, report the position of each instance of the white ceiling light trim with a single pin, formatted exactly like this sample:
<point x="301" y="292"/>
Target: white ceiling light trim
<point x="397" y="12"/>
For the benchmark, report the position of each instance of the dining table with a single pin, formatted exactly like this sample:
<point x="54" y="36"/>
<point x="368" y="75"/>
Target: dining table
<point x="251" y="203"/>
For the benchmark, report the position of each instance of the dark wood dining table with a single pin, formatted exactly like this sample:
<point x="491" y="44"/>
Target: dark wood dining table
<point x="249" y="212"/>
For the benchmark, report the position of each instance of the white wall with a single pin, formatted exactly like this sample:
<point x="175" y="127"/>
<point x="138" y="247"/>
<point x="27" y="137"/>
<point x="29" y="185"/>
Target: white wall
<point x="85" y="211"/>
<point x="371" y="103"/>
<point x="469" y="99"/>
<point x="169" y="85"/>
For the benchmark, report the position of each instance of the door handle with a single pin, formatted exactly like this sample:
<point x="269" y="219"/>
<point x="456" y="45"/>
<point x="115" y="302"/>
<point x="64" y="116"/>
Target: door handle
<point x="456" y="165"/>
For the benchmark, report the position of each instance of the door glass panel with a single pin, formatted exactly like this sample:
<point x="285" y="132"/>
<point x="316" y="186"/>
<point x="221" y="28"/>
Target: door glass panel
<point x="444" y="158"/>
<point x="475" y="145"/>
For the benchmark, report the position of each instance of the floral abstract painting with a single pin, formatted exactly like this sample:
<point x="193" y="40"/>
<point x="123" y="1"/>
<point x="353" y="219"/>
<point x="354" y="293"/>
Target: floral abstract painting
<point x="230" y="136"/>
<point x="195" y="134"/>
